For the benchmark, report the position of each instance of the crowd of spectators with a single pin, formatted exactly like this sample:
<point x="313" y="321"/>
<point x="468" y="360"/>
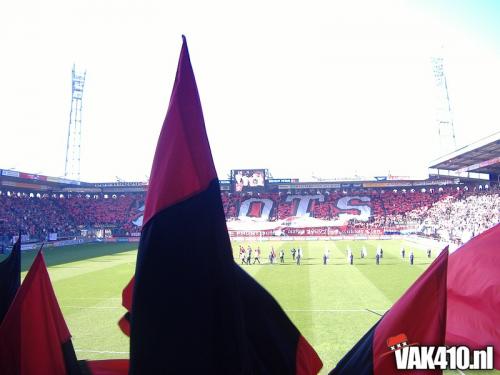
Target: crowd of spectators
<point x="458" y="218"/>
<point x="447" y="213"/>
<point x="34" y="216"/>
<point x="67" y="215"/>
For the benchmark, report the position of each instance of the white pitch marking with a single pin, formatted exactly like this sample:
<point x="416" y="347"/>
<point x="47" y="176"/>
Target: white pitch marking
<point x="335" y="310"/>
<point x="292" y="310"/>
<point x="91" y="298"/>
<point x="93" y="307"/>
<point x="100" y="351"/>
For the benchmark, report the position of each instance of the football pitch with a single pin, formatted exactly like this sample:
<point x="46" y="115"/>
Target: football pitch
<point x="332" y="305"/>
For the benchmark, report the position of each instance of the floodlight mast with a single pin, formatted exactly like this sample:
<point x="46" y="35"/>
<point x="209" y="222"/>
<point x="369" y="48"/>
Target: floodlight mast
<point x="444" y="116"/>
<point x="73" y="145"/>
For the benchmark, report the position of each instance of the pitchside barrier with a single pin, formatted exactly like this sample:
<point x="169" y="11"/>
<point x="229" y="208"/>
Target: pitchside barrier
<point x="75" y="241"/>
<point x="421" y="242"/>
<point x="36" y="245"/>
<point x="311" y="238"/>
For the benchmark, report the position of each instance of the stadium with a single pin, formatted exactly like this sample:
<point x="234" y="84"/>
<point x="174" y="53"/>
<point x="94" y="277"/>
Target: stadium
<point x="55" y="209"/>
<point x="185" y="271"/>
<point x="90" y="232"/>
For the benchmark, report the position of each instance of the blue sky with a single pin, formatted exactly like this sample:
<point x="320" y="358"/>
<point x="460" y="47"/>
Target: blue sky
<point x="321" y="88"/>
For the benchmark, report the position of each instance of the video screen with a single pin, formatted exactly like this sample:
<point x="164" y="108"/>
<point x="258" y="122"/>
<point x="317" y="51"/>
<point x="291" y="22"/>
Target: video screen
<point x="248" y="179"/>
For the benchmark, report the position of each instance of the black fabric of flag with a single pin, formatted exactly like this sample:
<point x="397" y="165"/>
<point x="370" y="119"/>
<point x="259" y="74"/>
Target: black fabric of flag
<point x="10" y="278"/>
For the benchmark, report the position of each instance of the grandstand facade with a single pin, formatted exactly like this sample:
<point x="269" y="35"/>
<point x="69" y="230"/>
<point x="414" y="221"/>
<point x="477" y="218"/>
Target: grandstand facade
<point x="55" y="209"/>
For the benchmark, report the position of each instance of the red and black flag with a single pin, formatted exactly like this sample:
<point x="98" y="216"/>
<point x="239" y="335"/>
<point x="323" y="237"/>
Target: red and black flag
<point x="10" y="278"/>
<point x="418" y="317"/>
<point x="474" y="294"/>
<point x="193" y="309"/>
<point x="34" y="338"/>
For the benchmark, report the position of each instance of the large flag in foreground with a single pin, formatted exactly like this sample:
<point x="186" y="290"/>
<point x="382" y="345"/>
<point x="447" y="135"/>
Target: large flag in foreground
<point x="34" y="338"/>
<point x="418" y="317"/>
<point x="10" y="278"/>
<point x="473" y="317"/>
<point x="194" y="311"/>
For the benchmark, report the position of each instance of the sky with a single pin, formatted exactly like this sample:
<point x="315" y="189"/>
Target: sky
<point x="317" y="89"/>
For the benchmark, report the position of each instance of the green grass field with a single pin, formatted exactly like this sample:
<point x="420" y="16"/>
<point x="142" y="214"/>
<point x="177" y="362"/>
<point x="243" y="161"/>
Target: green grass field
<point x="332" y="305"/>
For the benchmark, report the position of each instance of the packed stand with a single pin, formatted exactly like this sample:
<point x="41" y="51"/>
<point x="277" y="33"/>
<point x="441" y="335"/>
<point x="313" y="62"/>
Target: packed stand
<point x="447" y="213"/>
<point x="38" y="216"/>
<point x="465" y="215"/>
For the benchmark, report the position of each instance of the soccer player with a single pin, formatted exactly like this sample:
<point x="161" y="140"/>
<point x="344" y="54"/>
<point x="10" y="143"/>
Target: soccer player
<point x="326" y="256"/>
<point x="351" y="258"/>
<point x="377" y="258"/>
<point x="249" y="254"/>
<point x="299" y="255"/>
<point x="402" y="252"/>
<point x="270" y="257"/>
<point x="282" y="256"/>
<point x="242" y="255"/>
<point x="256" y="258"/>
<point x="429" y="253"/>
<point x="411" y="257"/>
<point x="381" y="252"/>
<point x="293" y="253"/>
<point x="365" y="252"/>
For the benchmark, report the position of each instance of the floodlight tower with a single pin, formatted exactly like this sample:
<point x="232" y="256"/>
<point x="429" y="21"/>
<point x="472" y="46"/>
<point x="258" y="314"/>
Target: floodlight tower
<point x="444" y="117"/>
<point x="72" y="164"/>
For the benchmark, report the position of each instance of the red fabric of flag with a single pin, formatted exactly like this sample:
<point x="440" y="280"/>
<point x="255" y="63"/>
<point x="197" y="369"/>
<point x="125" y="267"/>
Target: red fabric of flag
<point x="473" y="317"/>
<point x="34" y="330"/>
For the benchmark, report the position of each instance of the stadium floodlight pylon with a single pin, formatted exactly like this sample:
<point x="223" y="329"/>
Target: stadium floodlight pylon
<point x="73" y="145"/>
<point x="444" y="115"/>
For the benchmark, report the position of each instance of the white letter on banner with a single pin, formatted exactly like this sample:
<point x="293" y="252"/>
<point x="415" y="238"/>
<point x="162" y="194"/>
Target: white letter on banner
<point x="303" y="206"/>
<point x="245" y="206"/>
<point x="364" y="210"/>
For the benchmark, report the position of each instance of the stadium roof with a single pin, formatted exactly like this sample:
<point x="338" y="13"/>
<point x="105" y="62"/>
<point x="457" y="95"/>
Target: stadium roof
<point x="482" y="156"/>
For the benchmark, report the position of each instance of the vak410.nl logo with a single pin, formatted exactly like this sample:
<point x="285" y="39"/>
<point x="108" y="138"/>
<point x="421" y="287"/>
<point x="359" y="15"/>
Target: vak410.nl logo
<point x="412" y="356"/>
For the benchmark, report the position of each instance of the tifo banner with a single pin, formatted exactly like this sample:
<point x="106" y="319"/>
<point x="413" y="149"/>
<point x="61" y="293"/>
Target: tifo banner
<point x="300" y="206"/>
